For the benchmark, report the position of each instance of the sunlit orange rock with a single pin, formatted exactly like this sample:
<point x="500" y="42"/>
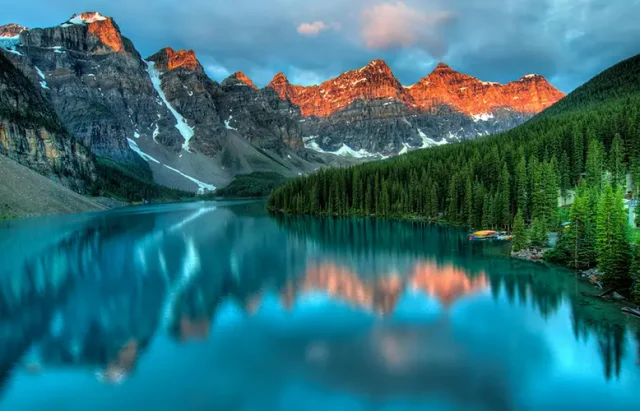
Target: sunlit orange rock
<point x="240" y="76"/>
<point x="374" y="81"/>
<point x="530" y="94"/>
<point x="11" y="30"/>
<point x="108" y="34"/>
<point x="182" y="58"/>
<point x="170" y="59"/>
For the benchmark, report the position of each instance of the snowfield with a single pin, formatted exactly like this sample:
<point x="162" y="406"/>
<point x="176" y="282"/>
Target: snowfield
<point x="181" y="124"/>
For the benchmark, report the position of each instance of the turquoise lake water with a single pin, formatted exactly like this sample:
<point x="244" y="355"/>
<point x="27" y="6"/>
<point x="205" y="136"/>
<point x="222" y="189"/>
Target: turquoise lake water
<point x="219" y="306"/>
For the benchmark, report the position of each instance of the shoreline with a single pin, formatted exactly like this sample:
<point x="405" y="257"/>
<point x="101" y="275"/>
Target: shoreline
<point x="529" y="254"/>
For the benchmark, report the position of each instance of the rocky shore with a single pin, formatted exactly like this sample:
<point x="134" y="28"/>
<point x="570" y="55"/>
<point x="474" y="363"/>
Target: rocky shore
<point x="530" y="254"/>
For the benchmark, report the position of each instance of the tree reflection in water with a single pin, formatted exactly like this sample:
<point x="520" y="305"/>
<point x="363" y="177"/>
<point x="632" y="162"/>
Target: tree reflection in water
<point x="98" y="297"/>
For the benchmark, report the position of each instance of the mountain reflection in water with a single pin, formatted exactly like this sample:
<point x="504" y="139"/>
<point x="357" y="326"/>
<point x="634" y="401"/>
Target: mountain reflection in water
<point x="217" y="305"/>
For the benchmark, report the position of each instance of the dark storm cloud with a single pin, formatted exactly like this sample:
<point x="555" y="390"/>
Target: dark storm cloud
<point x="568" y="41"/>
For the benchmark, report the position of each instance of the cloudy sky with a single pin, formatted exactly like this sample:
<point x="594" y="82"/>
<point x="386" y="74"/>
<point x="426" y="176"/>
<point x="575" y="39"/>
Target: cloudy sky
<point x="568" y="41"/>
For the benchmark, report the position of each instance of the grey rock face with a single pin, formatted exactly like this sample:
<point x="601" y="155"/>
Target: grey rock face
<point x="32" y="134"/>
<point x="103" y="96"/>
<point x="388" y="127"/>
<point x="167" y="113"/>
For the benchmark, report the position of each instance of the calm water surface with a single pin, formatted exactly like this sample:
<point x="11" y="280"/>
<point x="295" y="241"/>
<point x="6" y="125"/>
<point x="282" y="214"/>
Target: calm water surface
<point x="219" y="306"/>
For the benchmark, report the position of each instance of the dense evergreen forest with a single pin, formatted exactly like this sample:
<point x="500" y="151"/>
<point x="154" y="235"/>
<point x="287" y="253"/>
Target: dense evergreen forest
<point x="584" y="146"/>
<point x="256" y="184"/>
<point x="132" y="185"/>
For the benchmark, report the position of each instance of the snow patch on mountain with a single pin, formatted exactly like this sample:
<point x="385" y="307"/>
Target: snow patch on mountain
<point x="202" y="187"/>
<point x="482" y="117"/>
<point x="183" y="127"/>
<point x="405" y="149"/>
<point x="10" y="43"/>
<point x="134" y="146"/>
<point x="344" y="150"/>
<point x="84" y="18"/>
<point x="228" y="125"/>
<point x="43" y="83"/>
<point x="429" y="142"/>
<point x="156" y="132"/>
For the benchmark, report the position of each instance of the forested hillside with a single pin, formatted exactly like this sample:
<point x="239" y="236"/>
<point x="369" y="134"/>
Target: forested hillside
<point x="483" y="183"/>
<point x="590" y="139"/>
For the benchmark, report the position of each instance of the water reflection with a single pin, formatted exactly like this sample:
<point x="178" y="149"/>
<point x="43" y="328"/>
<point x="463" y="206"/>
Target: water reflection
<point x="378" y="309"/>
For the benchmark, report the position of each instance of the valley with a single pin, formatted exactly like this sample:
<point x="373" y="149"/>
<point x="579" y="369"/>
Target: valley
<point x="167" y="122"/>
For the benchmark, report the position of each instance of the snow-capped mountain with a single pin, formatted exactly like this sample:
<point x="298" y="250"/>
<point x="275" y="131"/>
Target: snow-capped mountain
<point x="165" y="113"/>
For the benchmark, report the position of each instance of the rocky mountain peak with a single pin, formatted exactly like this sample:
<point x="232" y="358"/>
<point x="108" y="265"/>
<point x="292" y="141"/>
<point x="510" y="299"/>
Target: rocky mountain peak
<point x="531" y="94"/>
<point x="443" y="67"/>
<point x="532" y="77"/>
<point x="278" y="79"/>
<point x="377" y="66"/>
<point x="100" y="26"/>
<point x="444" y="73"/>
<point x="87" y="17"/>
<point x="169" y="59"/>
<point x="242" y="78"/>
<point x="372" y="82"/>
<point x="11" y="30"/>
<point x="280" y="84"/>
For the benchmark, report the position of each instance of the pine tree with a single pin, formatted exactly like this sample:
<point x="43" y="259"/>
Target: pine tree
<point x="521" y="185"/>
<point x="519" y="233"/>
<point x="487" y="212"/>
<point x="551" y="190"/>
<point x="580" y="236"/>
<point x="503" y="199"/>
<point x="452" y="200"/>
<point x="595" y="163"/>
<point x="616" y="163"/>
<point x="577" y="165"/>
<point x="433" y="201"/>
<point x="468" y="201"/>
<point x="538" y="232"/>
<point x="635" y="275"/>
<point x="612" y="243"/>
<point x="564" y="177"/>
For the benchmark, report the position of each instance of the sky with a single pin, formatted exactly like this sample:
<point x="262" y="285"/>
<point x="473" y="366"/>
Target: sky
<point x="567" y="41"/>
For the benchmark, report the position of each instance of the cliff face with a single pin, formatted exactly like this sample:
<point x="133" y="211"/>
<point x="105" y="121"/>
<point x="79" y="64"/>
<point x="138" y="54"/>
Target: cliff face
<point x="444" y="86"/>
<point x="368" y="113"/>
<point x="32" y="134"/>
<point x="529" y="95"/>
<point x="98" y="84"/>
<point x="168" y="59"/>
<point x="374" y="81"/>
<point x="236" y="106"/>
<point x="165" y="113"/>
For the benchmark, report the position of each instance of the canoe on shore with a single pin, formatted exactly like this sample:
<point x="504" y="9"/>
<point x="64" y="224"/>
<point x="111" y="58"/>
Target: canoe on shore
<point x="490" y="234"/>
<point x="482" y="235"/>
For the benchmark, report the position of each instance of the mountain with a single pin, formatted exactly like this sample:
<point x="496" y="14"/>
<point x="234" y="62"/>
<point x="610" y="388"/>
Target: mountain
<point x="32" y="134"/>
<point x="531" y="94"/>
<point x="484" y="183"/>
<point x="163" y="118"/>
<point x="368" y="113"/>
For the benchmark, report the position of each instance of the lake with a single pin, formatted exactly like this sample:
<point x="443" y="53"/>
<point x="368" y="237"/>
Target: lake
<point x="218" y="305"/>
